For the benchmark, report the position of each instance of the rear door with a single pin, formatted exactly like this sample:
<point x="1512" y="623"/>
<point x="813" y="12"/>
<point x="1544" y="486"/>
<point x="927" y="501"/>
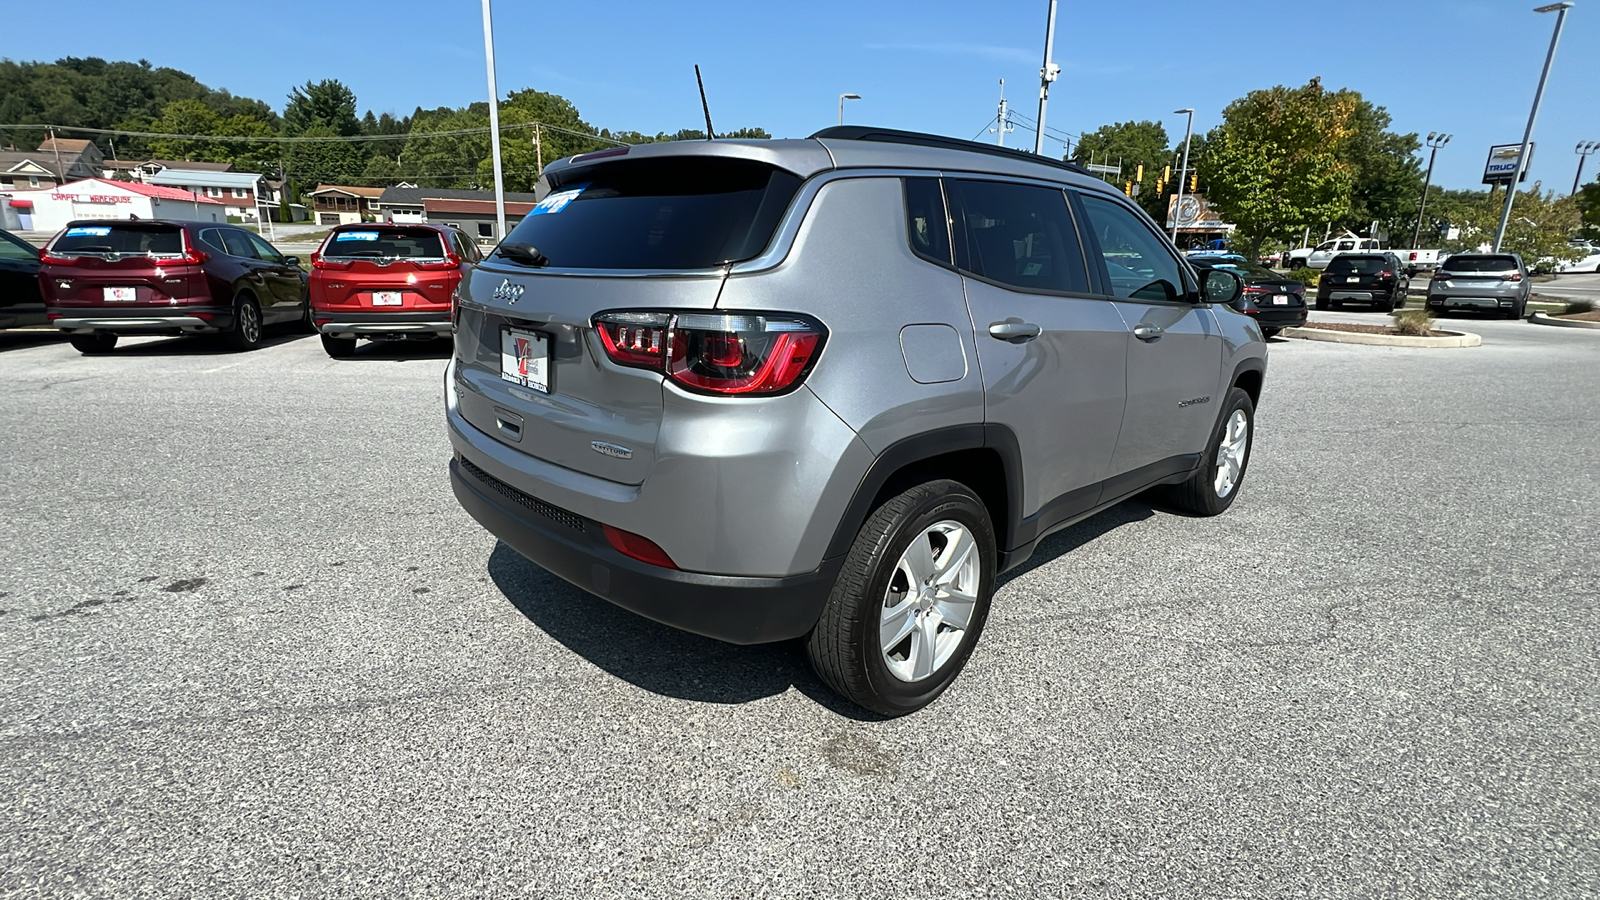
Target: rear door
<point x="647" y="235"/>
<point x="288" y="282"/>
<point x="1053" y="355"/>
<point x="1175" y="358"/>
<point x="20" y="303"/>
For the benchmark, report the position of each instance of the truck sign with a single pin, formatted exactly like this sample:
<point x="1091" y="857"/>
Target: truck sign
<point x="1502" y="164"/>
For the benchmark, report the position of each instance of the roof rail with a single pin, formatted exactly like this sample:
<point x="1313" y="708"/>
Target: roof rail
<point x="921" y="139"/>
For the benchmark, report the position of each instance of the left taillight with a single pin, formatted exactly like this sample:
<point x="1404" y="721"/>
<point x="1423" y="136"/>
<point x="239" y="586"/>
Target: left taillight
<point x="715" y="353"/>
<point x="190" y="257"/>
<point x="318" y="261"/>
<point x="50" y="259"/>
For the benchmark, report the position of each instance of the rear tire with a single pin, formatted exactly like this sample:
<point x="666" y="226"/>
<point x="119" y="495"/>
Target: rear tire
<point x="919" y="577"/>
<point x="339" y="348"/>
<point x="93" y="344"/>
<point x="1211" y="490"/>
<point x="247" y="329"/>
<point x="1322" y="304"/>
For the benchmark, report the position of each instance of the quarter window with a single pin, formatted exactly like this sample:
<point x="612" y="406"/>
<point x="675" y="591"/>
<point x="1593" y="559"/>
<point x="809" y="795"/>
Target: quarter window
<point x="926" y="220"/>
<point x="263" y="249"/>
<point x="1138" y="264"/>
<point x="1018" y="235"/>
<point x="238" y="244"/>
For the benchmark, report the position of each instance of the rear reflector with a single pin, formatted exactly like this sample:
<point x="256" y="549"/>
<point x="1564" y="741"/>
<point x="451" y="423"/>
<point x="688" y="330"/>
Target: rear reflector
<point x="637" y="546"/>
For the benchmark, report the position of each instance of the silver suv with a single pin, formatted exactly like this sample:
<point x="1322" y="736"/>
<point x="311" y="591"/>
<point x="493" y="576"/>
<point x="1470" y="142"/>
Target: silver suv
<point x="831" y="388"/>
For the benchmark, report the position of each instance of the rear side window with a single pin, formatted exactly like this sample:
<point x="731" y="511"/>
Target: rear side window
<point x="385" y="243"/>
<point x="1138" y="264"/>
<point x="120" y="237"/>
<point x="237" y="243"/>
<point x="926" y="220"/>
<point x="1481" y="264"/>
<point x="669" y="214"/>
<point x="1360" y="265"/>
<point x="1019" y="235"/>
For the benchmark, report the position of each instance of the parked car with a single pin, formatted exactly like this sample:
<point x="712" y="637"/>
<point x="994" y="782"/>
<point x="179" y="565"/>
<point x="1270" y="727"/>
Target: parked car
<point x="103" y="279"/>
<point x="737" y="387"/>
<point x="386" y="282"/>
<point x="20" y="303"/>
<point x="1275" y="301"/>
<point x="1487" y="282"/>
<point x="1377" y="279"/>
<point x="1589" y="262"/>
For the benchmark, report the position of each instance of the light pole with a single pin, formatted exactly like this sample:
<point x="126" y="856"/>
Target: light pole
<point x="842" y="99"/>
<point x="494" y="126"/>
<point x="1183" y="173"/>
<point x="1584" y="149"/>
<point x="1435" y="141"/>
<point x="1047" y="73"/>
<point x="1560" y="9"/>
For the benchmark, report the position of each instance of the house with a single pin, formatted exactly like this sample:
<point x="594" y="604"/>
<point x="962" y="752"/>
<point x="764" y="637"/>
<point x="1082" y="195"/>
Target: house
<point x="55" y="162"/>
<point x="448" y="206"/>
<point x="27" y="171"/>
<point x="141" y="170"/>
<point x="243" y="193"/>
<point x="51" y="209"/>
<point x="338" y="204"/>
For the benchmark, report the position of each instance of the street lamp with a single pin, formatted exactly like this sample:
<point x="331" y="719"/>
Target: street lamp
<point x="494" y="126"/>
<point x="1435" y="141"/>
<point x="842" y="99"/>
<point x="1560" y="9"/>
<point x="1048" y="72"/>
<point x="1183" y="173"/>
<point x="1584" y="149"/>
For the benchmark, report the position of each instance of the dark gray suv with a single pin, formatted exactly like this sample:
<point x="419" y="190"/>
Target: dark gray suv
<point x="831" y="388"/>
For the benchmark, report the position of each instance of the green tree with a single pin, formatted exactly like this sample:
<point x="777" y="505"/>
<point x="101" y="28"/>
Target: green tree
<point x="1278" y="161"/>
<point x="192" y="117"/>
<point x="1386" y="173"/>
<point x="1588" y="203"/>
<point x="1133" y="144"/>
<point x="327" y="104"/>
<point x="328" y="161"/>
<point x="1540" y="226"/>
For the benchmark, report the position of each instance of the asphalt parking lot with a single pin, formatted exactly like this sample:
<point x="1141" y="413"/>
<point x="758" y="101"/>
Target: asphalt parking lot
<point x="252" y="647"/>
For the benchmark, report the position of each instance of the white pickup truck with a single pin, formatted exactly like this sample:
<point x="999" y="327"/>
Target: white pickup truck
<point x="1317" y="257"/>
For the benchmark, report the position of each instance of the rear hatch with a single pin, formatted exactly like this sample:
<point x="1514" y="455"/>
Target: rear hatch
<point x="121" y="265"/>
<point x="619" y="234"/>
<point x="383" y="267"/>
<point x="1348" y="272"/>
<point x="1479" y="274"/>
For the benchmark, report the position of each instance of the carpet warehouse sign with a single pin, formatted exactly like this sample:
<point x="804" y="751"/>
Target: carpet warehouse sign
<point x="92" y="198"/>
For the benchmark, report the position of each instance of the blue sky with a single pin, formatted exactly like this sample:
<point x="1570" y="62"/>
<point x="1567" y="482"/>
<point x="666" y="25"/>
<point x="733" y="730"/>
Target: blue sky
<point x="1468" y="67"/>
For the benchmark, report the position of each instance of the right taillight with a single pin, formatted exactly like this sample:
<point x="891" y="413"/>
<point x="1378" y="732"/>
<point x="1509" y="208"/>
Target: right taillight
<point x="1514" y="276"/>
<point x="717" y="353"/>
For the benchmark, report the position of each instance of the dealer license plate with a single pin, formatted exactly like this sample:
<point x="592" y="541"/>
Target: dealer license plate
<point x="1353" y="279"/>
<point x="525" y="359"/>
<point x="387" y="298"/>
<point x="1280" y="299"/>
<point x="121" y="295"/>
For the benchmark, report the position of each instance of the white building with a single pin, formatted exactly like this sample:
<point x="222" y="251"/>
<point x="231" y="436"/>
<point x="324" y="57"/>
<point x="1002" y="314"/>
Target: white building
<point x="95" y="198"/>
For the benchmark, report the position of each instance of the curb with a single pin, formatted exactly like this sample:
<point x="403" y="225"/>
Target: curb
<point x="1455" y="339"/>
<point x="1543" y="319"/>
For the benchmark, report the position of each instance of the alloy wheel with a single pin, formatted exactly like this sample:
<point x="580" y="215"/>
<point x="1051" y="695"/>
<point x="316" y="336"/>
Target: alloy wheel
<point x="930" y="601"/>
<point x="1231" y="452"/>
<point x="249" y="322"/>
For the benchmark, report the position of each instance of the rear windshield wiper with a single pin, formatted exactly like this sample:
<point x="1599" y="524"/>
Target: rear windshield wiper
<point x="523" y="255"/>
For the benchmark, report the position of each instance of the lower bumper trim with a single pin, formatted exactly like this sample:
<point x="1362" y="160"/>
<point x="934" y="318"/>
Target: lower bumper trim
<point x="130" y="323"/>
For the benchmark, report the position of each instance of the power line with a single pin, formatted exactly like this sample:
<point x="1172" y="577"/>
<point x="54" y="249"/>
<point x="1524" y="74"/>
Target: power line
<point x="985" y="127"/>
<point x="352" y="138"/>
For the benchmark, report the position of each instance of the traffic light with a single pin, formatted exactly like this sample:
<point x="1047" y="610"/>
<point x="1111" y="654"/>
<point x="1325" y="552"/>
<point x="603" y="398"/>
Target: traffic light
<point x="1161" y="186"/>
<point x="1194" y="183"/>
<point x="1138" y="174"/>
<point x="1128" y="189"/>
<point x="1166" y="175"/>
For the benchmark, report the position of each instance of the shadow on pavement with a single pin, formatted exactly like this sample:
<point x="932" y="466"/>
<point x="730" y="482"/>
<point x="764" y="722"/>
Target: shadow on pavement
<point x="393" y="351"/>
<point x="653" y="656"/>
<point x="16" y="340"/>
<point x="206" y="344"/>
<point x="1071" y="538"/>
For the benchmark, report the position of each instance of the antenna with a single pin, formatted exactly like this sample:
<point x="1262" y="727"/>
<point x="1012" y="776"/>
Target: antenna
<point x="710" y="135"/>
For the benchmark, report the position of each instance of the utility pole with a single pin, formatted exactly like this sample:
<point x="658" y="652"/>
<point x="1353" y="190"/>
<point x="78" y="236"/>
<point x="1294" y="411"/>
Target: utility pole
<point x="1047" y="73"/>
<point x="61" y="173"/>
<point x="1183" y="173"/>
<point x="1560" y="9"/>
<point x="538" y="150"/>
<point x="1435" y="141"/>
<point x="494" y="126"/>
<point x="1002" y="125"/>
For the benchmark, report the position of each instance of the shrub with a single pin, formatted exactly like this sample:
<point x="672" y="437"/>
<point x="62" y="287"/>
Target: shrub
<point x="1579" y="306"/>
<point x="1416" y="322"/>
<point x="1306" y="276"/>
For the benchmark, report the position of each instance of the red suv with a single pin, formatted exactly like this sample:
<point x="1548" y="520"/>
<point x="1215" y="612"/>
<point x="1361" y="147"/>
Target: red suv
<point x="102" y="279"/>
<point x="386" y="282"/>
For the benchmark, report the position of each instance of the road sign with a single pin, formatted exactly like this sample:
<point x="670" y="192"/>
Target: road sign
<point x="1104" y="169"/>
<point x="1502" y="164"/>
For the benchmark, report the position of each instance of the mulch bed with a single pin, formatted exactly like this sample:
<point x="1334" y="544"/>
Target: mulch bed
<point x="1592" y="316"/>
<point x="1365" y="329"/>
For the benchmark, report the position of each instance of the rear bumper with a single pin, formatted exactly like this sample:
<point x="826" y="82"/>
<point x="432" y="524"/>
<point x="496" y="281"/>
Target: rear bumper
<point x="1485" y="300"/>
<point x="737" y="609"/>
<point x="144" y="320"/>
<point x="1281" y="318"/>
<point x="379" y="322"/>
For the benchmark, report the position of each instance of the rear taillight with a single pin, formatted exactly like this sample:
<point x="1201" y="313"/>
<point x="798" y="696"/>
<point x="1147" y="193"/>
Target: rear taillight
<point x="50" y="259"/>
<point x="190" y="257"/>
<point x="449" y="262"/>
<point x="1413" y="257"/>
<point x="637" y="546"/>
<point x="1386" y="274"/>
<point x="1441" y="276"/>
<point x="1514" y="276"/>
<point x="713" y="352"/>
<point x="318" y="261"/>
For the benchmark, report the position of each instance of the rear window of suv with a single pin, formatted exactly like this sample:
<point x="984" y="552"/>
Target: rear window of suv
<point x="384" y="243"/>
<point x="667" y="214"/>
<point x="120" y="237"/>
<point x="1364" y="265"/>
<point x="1481" y="264"/>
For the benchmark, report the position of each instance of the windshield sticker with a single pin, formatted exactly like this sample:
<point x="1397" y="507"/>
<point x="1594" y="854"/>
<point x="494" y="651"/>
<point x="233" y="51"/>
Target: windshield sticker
<point x="96" y="231"/>
<point x="558" y="201"/>
<point x="356" y="236"/>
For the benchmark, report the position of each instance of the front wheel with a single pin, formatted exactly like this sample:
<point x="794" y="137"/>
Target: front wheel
<point x="93" y="344"/>
<point x="910" y="601"/>
<point x="247" y="330"/>
<point x="1213" y="486"/>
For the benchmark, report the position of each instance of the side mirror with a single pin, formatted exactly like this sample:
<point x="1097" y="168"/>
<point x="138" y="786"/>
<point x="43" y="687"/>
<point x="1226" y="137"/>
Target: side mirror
<point x="1222" y="286"/>
<point x="291" y="260"/>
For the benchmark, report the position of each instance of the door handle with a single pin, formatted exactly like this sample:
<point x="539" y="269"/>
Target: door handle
<point x="1014" y="330"/>
<point x="1148" y="333"/>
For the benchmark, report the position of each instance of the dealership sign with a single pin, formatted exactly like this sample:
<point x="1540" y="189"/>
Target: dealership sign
<point x="1502" y="164"/>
